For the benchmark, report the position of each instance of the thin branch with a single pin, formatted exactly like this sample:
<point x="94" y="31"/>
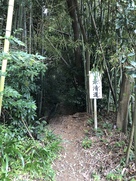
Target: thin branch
<point x="130" y="143"/>
<point x="63" y="33"/>
<point x="28" y="130"/>
<point x="57" y="52"/>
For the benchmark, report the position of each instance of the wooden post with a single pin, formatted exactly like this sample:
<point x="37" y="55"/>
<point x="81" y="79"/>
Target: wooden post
<point x="95" y="114"/>
<point x="6" y="49"/>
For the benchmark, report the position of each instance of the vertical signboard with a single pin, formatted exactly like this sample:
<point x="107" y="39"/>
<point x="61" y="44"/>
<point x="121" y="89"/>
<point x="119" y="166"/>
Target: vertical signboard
<point x="95" y="90"/>
<point x="95" y="85"/>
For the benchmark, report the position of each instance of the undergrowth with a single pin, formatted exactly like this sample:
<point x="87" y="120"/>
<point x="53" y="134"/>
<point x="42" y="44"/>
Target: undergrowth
<point x="113" y="146"/>
<point x="22" y="158"/>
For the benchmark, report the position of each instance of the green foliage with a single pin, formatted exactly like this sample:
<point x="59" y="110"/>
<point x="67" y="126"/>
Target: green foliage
<point x="24" y="68"/>
<point x="131" y="67"/>
<point x="17" y="106"/>
<point x="96" y="177"/>
<point x="90" y="122"/>
<point x="22" y="73"/>
<point x="120" y="144"/>
<point x="107" y="125"/>
<point x="114" y="176"/>
<point x="86" y="143"/>
<point x="125" y="26"/>
<point x="38" y="130"/>
<point x="99" y="132"/>
<point x="132" y="155"/>
<point x="133" y="179"/>
<point x="125" y="17"/>
<point x="23" y="156"/>
<point x="16" y="41"/>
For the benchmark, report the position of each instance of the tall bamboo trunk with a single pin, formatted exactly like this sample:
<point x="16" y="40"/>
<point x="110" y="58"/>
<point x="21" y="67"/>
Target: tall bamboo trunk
<point x="86" y="57"/>
<point x="30" y="29"/>
<point x="134" y="115"/>
<point x="6" y="49"/>
<point x="25" y="31"/>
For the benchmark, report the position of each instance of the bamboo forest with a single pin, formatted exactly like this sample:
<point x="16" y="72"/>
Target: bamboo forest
<point x="68" y="90"/>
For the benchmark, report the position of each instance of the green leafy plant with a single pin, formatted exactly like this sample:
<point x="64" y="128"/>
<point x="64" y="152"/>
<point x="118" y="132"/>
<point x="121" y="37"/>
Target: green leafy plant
<point x="99" y="132"/>
<point x="22" y="73"/>
<point x="114" y="176"/>
<point x="119" y="144"/>
<point x="104" y="140"/>
<point x="86" y="132"/>
<point x="107" y="125"/>
<point x="86" y="143"/>
<point x="96" y="177"/>
<point x="23" y="156"/>
<point x="90" y="122"/>
<point x="39" y="130"/>
<point x="133" y="179"/>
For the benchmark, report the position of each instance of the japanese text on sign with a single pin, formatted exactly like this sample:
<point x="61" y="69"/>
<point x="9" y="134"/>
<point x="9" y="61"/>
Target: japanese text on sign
<point x="95" y="85"/>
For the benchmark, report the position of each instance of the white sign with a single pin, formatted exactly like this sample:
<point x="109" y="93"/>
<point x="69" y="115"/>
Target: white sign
<point x="95" y="85"/>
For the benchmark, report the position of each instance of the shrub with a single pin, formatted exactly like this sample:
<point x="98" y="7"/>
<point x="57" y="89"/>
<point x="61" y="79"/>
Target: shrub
<point x="86" y="143"/>
<point x="23" y="157"/>
<point x="22" y="73"/>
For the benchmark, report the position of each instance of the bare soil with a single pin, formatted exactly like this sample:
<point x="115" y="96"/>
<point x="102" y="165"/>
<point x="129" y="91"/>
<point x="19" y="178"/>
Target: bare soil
<point x="105" y="155"/>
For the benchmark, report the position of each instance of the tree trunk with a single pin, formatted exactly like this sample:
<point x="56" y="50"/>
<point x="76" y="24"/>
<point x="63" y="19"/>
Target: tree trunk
<point x="25" y="30"/>
<point x="72" y="5"/>
<point x="86" y="56"/>
<point x="134" y="120"/>
<point x="6" y="49"/>
<point x="122" y="113"/>
<point x="75" y="26"/>
<point x="30" y="29"/>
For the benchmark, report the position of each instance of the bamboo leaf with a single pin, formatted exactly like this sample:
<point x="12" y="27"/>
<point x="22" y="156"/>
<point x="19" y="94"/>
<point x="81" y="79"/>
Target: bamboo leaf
<point x="131" y="54"/>
<point x="16" y="40"/>
<point x="1" y="37"/>
<point x="22" y="159"/>
<point x="7" y="163"/>
<point x="129" y="67"/>
<point x="133" y="63"/>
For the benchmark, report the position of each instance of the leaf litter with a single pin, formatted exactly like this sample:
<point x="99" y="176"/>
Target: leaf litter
<point x="103" y="160"/>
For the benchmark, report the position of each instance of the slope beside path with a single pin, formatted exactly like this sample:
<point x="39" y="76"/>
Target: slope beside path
<point x="78" y="164"/>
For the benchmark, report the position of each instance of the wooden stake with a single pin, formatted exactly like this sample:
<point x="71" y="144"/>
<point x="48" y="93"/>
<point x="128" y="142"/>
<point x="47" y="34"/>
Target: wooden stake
<point x="95" y="114"/>
<point x="6" y="49"/>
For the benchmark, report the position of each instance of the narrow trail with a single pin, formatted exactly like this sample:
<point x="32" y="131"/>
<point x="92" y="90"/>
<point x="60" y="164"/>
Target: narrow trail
<point x="78" y="164"/>
<point x="72" y="163"/>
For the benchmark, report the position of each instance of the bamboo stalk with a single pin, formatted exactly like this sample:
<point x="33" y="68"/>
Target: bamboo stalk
<point x="134" y="119"/>
<point x="25" y="30"/>
<point x="30" y="28"/>
<point x="130" y="143"/>
<point x="6" y="48"/>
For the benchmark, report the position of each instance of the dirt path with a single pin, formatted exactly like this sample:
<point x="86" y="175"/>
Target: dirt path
<point x="78" y="164"/>
<point x="71" y="166"/>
